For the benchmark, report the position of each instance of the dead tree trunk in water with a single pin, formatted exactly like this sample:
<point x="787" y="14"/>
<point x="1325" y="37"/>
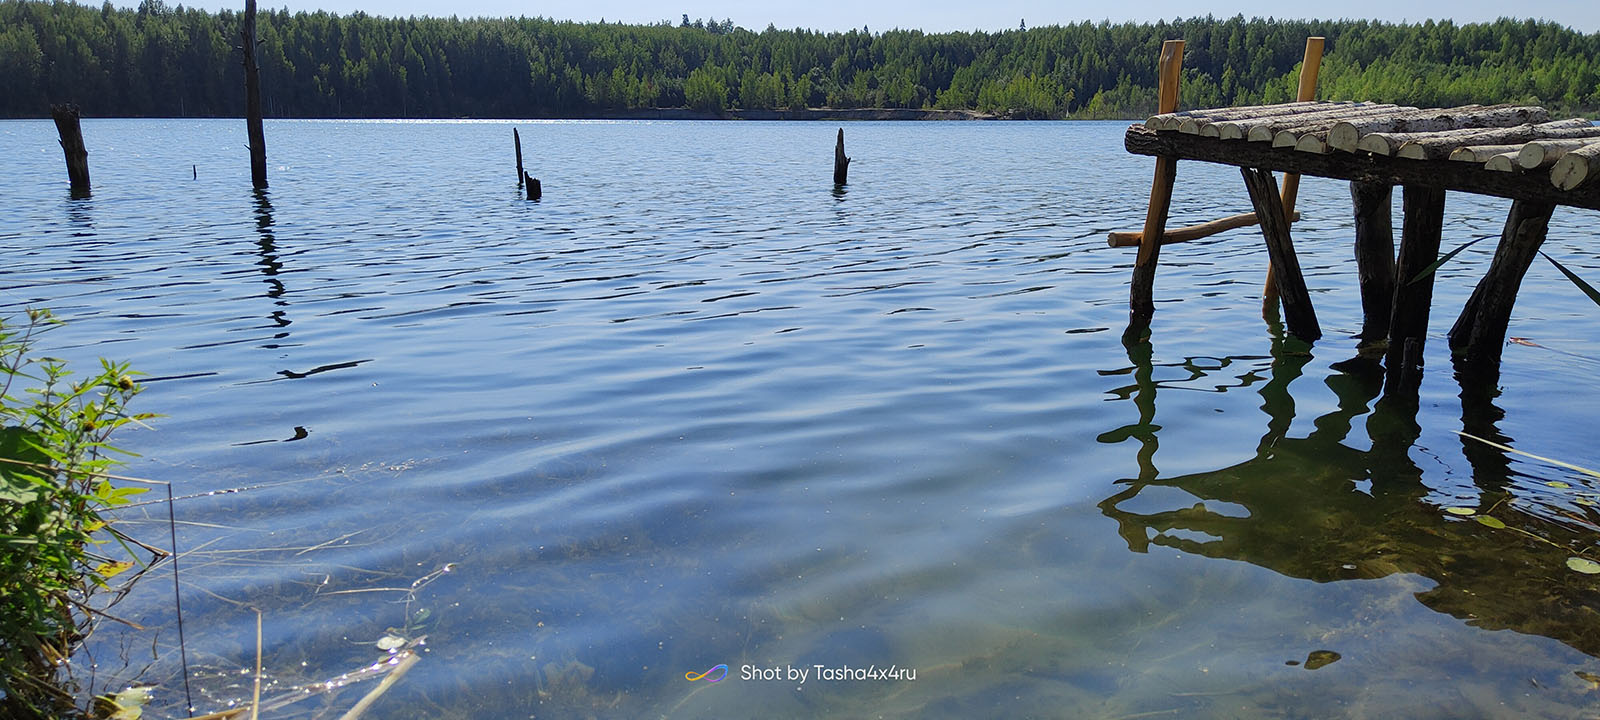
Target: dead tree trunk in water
<point x="252" y="98"/>
<point x="515" y="138"/>
<point x="535" y="191"/>
<point x="841" y="162"/>
<point x="66" y="117"/>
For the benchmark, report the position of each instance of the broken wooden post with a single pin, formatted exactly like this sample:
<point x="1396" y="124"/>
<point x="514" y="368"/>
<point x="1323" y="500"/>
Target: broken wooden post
<point x="252" y="98"/>
<point x="1420" y="234"/>
<point x="67" y="116"/>
<point x="1480" y="332"/>
<point x="515" y="138"/>
<point x="1142" y="287"/>
<point x="1374" y="257"/>
<point x="1309" y="68"/>
<point x="1298" y="314"/>
<point x="532" y="183"/>
<point x="841" y="163"/>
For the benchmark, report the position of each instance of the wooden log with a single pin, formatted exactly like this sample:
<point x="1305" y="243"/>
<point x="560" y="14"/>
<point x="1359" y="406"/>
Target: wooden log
<point x="1310" y="66"/>
<point x="66" y="116"/>
<point x="841" y="163"/>
<point x="1123" y="238"/>
<point x="517" y="140"/>
<point x="1346" y="136"/>
<point x="1239" y="128"/>
<point x="1298" y="314"/>
<point x="1543" y="153"/>
<point x="1480" y="332"/>
<point x="1481" y="153"/>
<point x="1576" y="167"/>
<point x="1420" y="235"/>
<point x="1361" y="166"/>
<point x="1170" y="121"/>
<point x="1141" y="288"/>
<point x="535" y="191"/>
<point x="1439" y="145"/>
<point x="1374" y="257"/>
<point x="1299" y="124"/>
<point x="252" y="98"/>
<point x="1504" y="162"/>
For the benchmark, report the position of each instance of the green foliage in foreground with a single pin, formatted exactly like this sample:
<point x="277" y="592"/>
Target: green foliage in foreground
<point x="161" y="61"/>
<point x="53" y="456"/>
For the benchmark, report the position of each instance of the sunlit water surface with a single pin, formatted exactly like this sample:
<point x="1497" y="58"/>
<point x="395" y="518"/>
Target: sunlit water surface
<point x="699" y="407"/>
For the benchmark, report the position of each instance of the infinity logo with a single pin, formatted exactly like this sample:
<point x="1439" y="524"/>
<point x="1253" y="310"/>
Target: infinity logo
<point x="693" y="676"/>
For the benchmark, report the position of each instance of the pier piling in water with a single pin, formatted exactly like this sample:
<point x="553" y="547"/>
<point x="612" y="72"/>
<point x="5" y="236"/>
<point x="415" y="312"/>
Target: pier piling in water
<point x="532" y="184"/>
<point x="252" y="98"/>
<point x="1420" y="234"/>
<point x="1142" y="289"/>
<point x="1374" y="256"/>
<point x="517" y="139"/>
<point x="1479" y="333"/>
<point x="841" y="162"/>
<point x="68" y="127"/>
<point x="1298" y="313"/>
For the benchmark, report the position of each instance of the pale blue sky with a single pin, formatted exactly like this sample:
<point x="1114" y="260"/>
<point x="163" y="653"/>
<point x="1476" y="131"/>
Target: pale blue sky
<point x="943" y="15"/>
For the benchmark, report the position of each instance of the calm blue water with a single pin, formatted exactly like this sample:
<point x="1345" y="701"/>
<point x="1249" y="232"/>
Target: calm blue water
<point x="699" y="407"/>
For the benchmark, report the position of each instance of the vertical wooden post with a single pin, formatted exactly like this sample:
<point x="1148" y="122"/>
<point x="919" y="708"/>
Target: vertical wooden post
<point x="841" y="163"/>
<point x="1408" y="321"/>
<point x="1310" y="67"/>
<point x="67" y="126"/>
<point x="535" y="190"/>
<point x="515" y="138"/>
<point x="1297" y="311"/>
<point x="1142" y="287"/>
<point x="1374" y="257"/>
<point x="1480" y="332"/>
<point x="252" y="98"/>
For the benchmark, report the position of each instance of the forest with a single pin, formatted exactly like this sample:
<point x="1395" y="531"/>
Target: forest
<point x="171" y="61"/>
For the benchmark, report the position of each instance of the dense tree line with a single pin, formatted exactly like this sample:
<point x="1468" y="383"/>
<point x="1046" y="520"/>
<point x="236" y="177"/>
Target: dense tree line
<point x="172" y="61"/>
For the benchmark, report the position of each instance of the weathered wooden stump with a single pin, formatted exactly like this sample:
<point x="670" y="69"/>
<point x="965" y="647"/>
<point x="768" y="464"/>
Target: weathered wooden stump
<point x="1374" y="257"/>
<point x="1299" y="316"/>
<point x="517" y="139"/>
<point x="1408" y="321"/>
<point x="71" y="131"/>
<point x="252" y="98"/>
<point x="535" y="191"/>
<point x="1479" y="333"/>
<point x="841" y="162"/>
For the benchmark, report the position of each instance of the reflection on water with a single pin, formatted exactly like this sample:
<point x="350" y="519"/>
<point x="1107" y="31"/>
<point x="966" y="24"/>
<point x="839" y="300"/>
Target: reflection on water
<point x="1325" y="509"/>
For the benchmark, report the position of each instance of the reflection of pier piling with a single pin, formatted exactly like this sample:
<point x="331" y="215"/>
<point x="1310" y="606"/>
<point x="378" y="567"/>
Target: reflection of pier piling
<point x="1425" y="151"/>
<point x="1327" y="507"/>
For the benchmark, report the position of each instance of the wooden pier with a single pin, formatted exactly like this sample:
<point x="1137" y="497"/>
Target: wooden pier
<point x="1513" y="152"/>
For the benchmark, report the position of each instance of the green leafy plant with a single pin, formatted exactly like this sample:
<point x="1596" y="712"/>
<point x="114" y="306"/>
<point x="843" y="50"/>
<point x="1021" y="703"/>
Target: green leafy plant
<point x="56" y="549"/>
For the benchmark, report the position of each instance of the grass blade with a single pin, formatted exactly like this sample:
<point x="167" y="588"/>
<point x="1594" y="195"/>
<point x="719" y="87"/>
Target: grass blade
<point x="1441" y="261"/>
<point x="1585" y="287"/>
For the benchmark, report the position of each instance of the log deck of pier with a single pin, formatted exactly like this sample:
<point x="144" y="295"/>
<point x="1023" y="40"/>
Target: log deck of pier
<point x="1512" y="152"/>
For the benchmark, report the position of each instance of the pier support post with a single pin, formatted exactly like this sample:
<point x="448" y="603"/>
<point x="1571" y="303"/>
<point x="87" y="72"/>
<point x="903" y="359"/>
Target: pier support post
<point x="1142" y="288"/>
<point x="1298" y="314"/>
<point x="1479" y="334"/>
<point x="1374" y="257"/>
<point x="1310" y="67"/>
<point x="252" y="98"/>
<point x="1420" y="234"/>
<point x="517" y="139"/>
<point x="841" y="162"/>
<point x="71" y="132"/>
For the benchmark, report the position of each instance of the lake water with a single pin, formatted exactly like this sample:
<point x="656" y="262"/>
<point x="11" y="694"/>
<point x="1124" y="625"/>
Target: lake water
<point x="699" y="407"/>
